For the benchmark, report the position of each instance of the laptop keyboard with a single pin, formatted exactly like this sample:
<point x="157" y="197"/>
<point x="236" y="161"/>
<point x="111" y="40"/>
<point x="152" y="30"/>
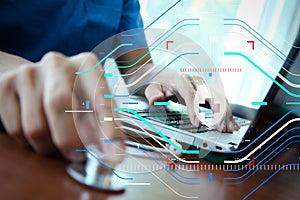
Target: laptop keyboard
<point x="181" y="121"/>
<point x="174" y="119"/>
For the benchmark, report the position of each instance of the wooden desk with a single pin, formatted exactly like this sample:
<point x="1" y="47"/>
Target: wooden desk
<point x="26" y="175"/>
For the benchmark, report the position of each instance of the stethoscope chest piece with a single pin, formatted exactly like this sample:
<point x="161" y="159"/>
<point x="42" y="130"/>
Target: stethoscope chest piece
<point x="92" y="174"/>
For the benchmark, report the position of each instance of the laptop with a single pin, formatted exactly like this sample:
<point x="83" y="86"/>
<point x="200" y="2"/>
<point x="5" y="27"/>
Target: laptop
<point x="256" y="125"/>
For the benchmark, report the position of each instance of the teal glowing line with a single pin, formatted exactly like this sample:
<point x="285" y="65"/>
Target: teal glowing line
<point x="141" y="58"/>
<point x="108" y="74"/>
<point x="259" y="103"/>
<point x="160" y="103"/>
<point x="292" y="103"/>
<point x="98" y="63"/>
<point x="265" y="73"/>
<point x="157" y="131"/>
<point x="107" y="96"/>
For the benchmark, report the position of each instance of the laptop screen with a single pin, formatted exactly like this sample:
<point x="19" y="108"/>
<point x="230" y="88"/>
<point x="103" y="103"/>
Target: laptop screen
<point x="287" y="96"/>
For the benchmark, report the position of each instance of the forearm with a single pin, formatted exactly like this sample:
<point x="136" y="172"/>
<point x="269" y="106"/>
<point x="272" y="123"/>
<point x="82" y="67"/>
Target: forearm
<point x="10" y="62"/>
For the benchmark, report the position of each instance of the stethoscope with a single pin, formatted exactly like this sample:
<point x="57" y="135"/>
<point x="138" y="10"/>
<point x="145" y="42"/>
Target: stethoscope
<point x="93" y="174"/>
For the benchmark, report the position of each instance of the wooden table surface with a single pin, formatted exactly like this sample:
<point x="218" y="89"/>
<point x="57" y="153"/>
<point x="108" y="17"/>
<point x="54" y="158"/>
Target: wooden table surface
<point x="26" y="175"/>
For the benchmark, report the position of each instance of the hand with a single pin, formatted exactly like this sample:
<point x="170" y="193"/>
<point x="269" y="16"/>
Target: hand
<point x="34" y="98"/>
<point x="169" y="84"/>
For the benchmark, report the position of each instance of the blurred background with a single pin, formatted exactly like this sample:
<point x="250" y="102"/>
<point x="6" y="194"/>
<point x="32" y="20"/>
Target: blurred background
<point x="277" y="21"/>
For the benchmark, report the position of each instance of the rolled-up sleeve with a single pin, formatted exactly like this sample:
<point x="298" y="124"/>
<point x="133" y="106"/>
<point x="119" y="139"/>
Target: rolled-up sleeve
<point x="131" y="17"/>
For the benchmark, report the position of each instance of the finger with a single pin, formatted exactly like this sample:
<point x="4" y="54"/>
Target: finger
<point x="153" y="93"/>
<point x="83" y="88"/>
<point x="229" y="120"/>
<point x="231" y="124"/>
<point x="198" y="81"/>
<point x="57" y="99"/>
<point x="236" y="125"/>
<point x="10" y="113"/>
<point x="226" y="122"/>
<point x="93" y="85"/>
<point x="34" y="123"/>
<point x="187" y="91"/>
<point x="221" y="125"/>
